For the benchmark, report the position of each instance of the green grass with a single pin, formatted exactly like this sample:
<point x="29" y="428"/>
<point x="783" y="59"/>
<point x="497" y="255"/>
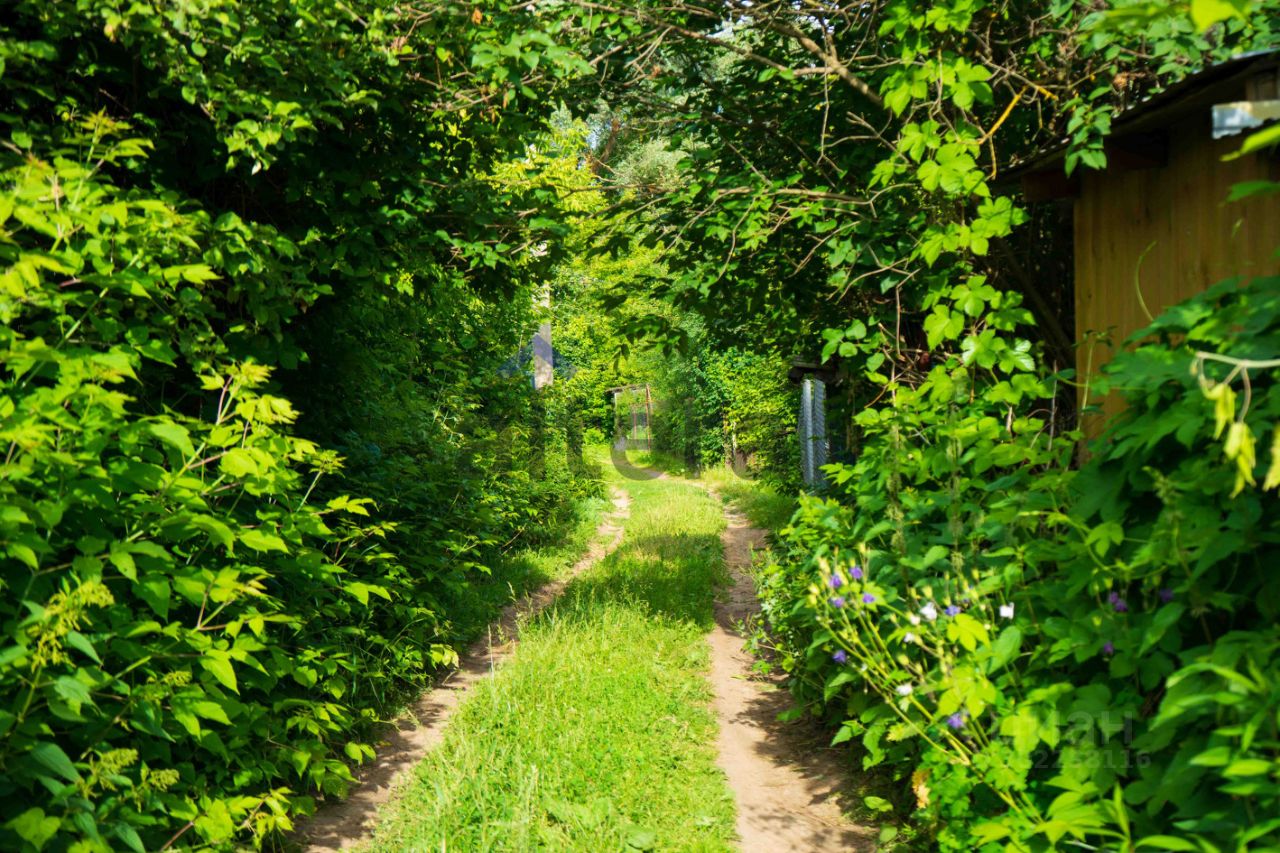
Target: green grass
<point x="597" y="734"/>
<point x="474" y="605"/>
<point x="762" y="506"/>
<point x="661" y="460"/>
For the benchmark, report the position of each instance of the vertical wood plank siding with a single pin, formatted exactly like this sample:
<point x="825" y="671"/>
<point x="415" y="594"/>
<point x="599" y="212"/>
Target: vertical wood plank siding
<point x="1196" y="239"/>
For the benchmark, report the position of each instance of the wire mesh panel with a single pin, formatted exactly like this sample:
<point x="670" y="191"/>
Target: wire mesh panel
<point x="819" y="419"/>
<point x="633" y="417"/>
<point x="813" y="432"/>
<point x="806" y="432"/>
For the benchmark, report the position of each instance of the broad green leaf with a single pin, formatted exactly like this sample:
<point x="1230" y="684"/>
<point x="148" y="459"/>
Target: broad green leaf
<point x="1206" y="13"/>
<point x="239" y="463"/>
<point x="174" y="435"/>
<point x="1006" y="646"/>
<point x="1252" y="189"/>
<point x="261" y="541"/>
<point x="155" y="591"/>
<point x="33" y="827"/>
<point x="81" y="643"/>
<point x="130" y="837"/>
<point x="219" y="532"/>
<point x="51" y="757"/>
<point x="218" y="664"/>
<point x="211" y="711"/>
<point x="877" y="804"/>
<point x="1250" y="767"/>
<point x="215" y="823"/>
<point x="1168" y="842"/>
<point x="74" y="692"/>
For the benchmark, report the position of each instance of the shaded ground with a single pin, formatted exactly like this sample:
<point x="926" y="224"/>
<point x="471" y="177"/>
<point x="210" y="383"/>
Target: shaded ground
<point x="344" y="824"/>
<point x="785" y="779"/>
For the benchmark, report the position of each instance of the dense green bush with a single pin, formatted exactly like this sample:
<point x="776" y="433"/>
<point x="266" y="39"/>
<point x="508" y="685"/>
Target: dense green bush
<point x="715" y="401"/>
<point x="1045" y="656"/>
<point x="171" y="590"/>
<point x="259" y="275"/>
<point x="690" y="422"/>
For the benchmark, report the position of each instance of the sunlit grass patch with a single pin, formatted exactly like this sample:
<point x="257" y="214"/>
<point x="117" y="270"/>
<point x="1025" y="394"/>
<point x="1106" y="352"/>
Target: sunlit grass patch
<point x="597" y="734"/>
<point x="759" y="502"/>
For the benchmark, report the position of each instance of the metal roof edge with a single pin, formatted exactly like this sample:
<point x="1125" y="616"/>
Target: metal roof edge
<point x="1158" y="106"/>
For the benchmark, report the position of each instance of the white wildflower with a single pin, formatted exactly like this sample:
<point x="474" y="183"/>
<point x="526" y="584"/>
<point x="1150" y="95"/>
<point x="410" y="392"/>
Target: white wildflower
<point x="908" y="637"/>
<point x="929" y="612"/>
<point x="903" y="689"/>
<point x="1006" y="611"/>
<point x="913" y="619"/>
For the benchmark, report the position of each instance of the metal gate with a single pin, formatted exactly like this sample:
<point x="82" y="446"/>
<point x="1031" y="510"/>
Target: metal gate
<point x="633" y="417"/>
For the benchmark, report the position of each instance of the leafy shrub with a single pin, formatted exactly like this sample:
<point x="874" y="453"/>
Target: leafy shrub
<point x="158" y="563"/>
<point x="1048" y="656"/>
<point x="715" y="400"/>
<point x="203" y="609"/>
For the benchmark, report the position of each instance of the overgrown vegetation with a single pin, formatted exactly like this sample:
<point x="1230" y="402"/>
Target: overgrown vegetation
<point x="711" y="404"/>
<point x="268" y="277"/>
<point x="261" y="271"/>
<point x="1039" y="656"/>
<point x="1051" y="653"/>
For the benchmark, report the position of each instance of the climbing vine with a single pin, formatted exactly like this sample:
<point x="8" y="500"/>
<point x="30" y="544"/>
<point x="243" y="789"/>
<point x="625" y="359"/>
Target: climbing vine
<point x="1027" y="648"/>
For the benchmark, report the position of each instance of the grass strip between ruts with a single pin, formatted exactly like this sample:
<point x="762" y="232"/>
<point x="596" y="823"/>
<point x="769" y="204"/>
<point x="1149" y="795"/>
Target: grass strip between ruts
<point x="597" y="734"/>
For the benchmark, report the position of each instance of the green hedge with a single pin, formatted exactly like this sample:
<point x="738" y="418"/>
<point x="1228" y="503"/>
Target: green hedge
<point x="258" y="283"/>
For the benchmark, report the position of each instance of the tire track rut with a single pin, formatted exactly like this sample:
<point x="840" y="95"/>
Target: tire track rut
<point x="344" y="824"/>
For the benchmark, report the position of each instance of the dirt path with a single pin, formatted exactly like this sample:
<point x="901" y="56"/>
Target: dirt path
<point x="784" y="777"/>
<point x="344" y="824"/>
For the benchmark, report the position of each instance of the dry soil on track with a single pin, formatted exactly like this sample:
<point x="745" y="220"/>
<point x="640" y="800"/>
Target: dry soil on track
<point x="785" y="778"/>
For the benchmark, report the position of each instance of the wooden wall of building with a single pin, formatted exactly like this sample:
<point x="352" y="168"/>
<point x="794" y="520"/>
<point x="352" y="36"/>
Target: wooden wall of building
<point x="1178" y="211"/>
